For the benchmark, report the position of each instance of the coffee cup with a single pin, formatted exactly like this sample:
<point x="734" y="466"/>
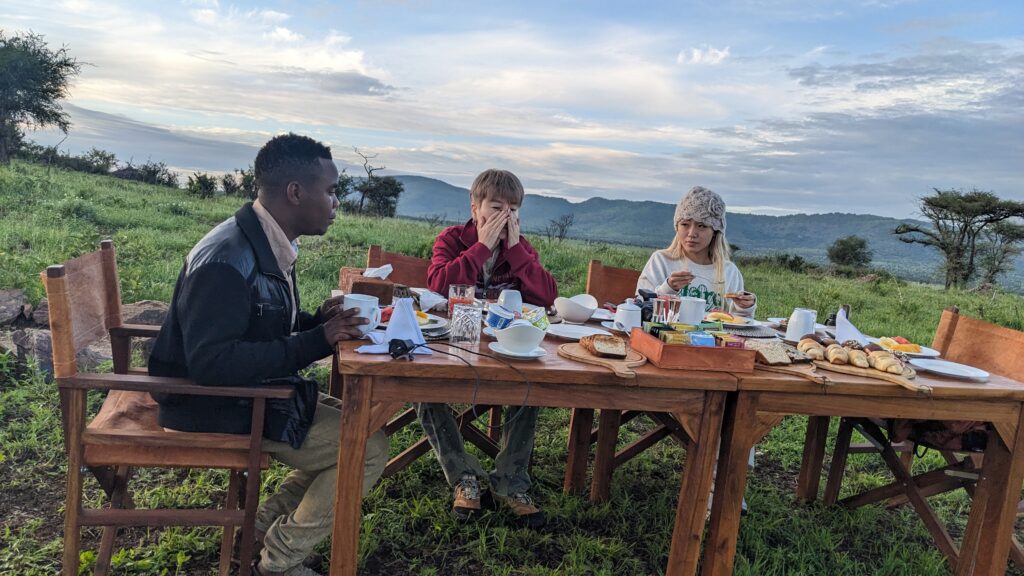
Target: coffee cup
<point x="801" y="322"/>
<point x="511" y="300"/>
<point x="368" y="307"/>
<point x="627" y="316"/>
<point x="691" y="309"/>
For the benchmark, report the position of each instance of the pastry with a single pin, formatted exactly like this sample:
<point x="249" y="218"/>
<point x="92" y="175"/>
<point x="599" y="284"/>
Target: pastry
<point x="885" y="361"/>
<point x="858" y="358"/>
<point x="811" y="348"/>
<point x="604" y="346"/>
<point x="836" y="354"/>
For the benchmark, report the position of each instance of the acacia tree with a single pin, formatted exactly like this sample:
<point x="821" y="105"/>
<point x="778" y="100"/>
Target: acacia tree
<point x="1001" y="246"/>
<point x="850" y="251"/>
<point x="33" y="79"/>
<point x="378" y="195"/>
<point x="958" y="220"/>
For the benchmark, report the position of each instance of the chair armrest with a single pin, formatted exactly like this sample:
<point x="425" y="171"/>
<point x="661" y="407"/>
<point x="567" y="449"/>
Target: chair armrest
<point x="138" y="330"/>
<point x="146" y="383"/>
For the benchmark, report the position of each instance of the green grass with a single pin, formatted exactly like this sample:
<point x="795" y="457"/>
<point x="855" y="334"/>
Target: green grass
<point x="49" y="216"/>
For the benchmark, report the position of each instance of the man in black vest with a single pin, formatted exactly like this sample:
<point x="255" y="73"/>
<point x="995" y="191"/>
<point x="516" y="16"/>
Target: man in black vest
<point x="235" y="320"/>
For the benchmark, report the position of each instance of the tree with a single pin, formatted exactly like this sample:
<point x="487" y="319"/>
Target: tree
<point x="369" y="175"/>
<point x="558" y="228"/>
<point x="202" y="185"/>
<point x="850" y="251"/>
<point x="230" y="185"/>
<point x="1001" y="246"/>
<point x="247" y="183"/>
<point x="344" y="189"/>
<point x="381" y="195"/>
<point x="958" y="220"/>
<point x="33" y="79"/>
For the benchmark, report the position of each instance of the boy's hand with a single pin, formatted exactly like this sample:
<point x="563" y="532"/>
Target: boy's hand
<point x="344" y="325"/>
<point x="490" y="231"/>
<point x="513" y="229"/>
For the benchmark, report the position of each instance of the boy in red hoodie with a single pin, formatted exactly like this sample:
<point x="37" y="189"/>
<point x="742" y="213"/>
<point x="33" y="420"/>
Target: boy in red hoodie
<point x="490" y="253"/>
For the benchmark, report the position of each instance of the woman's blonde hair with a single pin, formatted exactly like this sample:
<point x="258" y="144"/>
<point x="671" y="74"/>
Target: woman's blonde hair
<point x="718" y="250"/>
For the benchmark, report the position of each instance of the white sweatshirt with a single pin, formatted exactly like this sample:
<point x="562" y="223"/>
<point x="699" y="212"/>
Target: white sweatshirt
<point x="659" y="267"/>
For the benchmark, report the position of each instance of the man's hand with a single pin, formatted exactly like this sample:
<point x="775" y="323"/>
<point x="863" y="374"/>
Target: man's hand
<point x="679" y="279"/>
<point x="490" y="232"/>
<point x="344" y="325"/>
<point x="513" y="229"/>
<point x="331" y="307"/>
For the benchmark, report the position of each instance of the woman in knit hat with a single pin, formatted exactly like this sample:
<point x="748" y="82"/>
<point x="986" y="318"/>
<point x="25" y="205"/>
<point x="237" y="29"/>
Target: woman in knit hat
<point x="697" y="263"/>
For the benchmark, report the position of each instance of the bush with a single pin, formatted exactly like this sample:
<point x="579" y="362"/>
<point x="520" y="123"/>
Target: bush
<point x="95" y="161"/>
<point x="230" y="185"/>
<point x="850" y="251"/>
<point x="73" y="207"/>
<point x="202" y="185"/>
<point x="150" y="173"/>
<point x="790" y="262"/>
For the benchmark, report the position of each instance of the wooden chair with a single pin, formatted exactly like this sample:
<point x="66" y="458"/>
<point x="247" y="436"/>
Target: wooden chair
<point x="412" y="272"/>
<point x="959" y="339"/>
<point x="85" y="305"/>
<point x="610" y="284"/>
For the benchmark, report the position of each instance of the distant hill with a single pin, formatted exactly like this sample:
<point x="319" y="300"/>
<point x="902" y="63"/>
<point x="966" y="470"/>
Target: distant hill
<point x="646" y="223"/>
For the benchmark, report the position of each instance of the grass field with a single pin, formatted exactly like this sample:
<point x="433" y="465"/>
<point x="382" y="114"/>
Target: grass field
<point x="49" y="216"/>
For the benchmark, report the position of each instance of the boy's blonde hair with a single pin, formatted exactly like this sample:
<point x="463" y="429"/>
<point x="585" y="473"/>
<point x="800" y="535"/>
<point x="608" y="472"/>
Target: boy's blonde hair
<point x="497" y="185"/>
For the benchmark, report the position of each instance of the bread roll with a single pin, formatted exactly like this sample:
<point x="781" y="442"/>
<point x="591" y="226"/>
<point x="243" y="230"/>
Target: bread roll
<point x="811" y="348"/>
<point x="885" y="362"/>
<point x="836" y="354"/>
<point x="604" y="346"/>
<point x="858" y="358"/>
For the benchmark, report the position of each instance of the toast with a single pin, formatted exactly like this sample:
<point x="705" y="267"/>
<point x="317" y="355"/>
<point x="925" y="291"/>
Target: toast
<point x="604" y="346"/>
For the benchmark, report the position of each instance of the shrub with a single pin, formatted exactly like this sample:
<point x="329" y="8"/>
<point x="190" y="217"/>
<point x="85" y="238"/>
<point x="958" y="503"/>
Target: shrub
<point x="790" y="262"/>
<point x="850" y="251"/>
<point x="202" y="185"/>
<point x="150" y="173"/>
<point x="230" y="185"/>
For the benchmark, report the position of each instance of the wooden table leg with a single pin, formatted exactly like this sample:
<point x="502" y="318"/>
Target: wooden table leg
<point x="695" y="488"/>
<point x="814" y="455"/>
<point x="995" y="507"/>
<point x="604" y="455"/>
<point x="355" y="429"/>
<point x="738" y="438"/>
<point x="580" y="423"/>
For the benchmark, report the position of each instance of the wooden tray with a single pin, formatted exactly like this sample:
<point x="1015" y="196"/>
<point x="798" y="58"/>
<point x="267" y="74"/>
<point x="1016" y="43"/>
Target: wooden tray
<point x="903" y="380"/>
<point x="622" y="368"/>
<point x="685" y="357"/>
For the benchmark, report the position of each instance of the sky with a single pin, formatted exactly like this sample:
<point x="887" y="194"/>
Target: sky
<point x="780" y="106"/>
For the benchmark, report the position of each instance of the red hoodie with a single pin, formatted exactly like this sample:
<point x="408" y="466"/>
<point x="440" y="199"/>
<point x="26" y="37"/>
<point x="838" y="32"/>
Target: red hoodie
<point x="459" y="258"/>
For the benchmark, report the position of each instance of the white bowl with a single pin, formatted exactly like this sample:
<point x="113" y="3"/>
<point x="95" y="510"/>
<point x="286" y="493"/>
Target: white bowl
<point x="586" y="300"/>
<point x="520" y="337"/>
<point x="572" y="310"/>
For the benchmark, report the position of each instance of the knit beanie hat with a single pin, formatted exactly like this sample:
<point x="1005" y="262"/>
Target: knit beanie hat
<point x="704" y="206"/>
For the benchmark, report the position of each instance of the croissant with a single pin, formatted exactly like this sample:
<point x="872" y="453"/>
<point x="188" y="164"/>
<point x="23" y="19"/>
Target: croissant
<point x="811" y="348"/>
<point x="858" y="358"/>
<point x="836" y="354"/>
<point x="884" y="361"/>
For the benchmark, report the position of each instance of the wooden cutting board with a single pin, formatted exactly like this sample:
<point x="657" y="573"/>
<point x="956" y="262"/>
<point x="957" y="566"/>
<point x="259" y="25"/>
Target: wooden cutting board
<point x="903" y="380"/>
<point x="622" y="368"/>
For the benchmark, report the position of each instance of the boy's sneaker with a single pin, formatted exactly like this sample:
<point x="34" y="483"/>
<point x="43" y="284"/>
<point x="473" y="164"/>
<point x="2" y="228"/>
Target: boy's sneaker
<point x="467" y="497"/>
<point x="524" y="509"/>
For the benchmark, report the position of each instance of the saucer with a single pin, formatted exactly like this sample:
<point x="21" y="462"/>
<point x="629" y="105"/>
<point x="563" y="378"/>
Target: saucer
<point x="535" y="353"/>
<point x="602" y="314"/>
<point x="610" y="324"/>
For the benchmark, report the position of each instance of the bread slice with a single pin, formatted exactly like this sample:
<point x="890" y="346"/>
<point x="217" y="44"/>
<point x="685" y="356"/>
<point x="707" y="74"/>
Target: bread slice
<point x="769" y="351"/>
<point x="604" y="346"/>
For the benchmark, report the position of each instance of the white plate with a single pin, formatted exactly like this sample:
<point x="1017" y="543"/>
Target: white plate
<point x="602" y="314"/>
<point x="947" y="368"/>
<point x="610" y="324"/>
<point x="574" y="331"/>
<point x="750" y="322"/>
<point x="433" y="323"/>
<point x="925" y="352"/>
<point x="498" y="348"/>
<point x="776" y="322"/>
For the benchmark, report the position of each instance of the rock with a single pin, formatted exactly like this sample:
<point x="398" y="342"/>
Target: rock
<point x="150" y="312"/>
<point x="12" y="301"/>
<point x="36" y="343"/>
<point x="41" y="316"/>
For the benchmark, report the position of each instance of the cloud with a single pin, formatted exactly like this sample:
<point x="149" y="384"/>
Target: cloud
<point x="703" y="55"/>
<point x="282" y="34"/>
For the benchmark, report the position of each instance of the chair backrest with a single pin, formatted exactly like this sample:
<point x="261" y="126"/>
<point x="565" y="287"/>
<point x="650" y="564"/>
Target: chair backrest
<point x="981" y="344"/>
<point x="610" y="284"/>
<point x="408" y="270"/>
<point x="84" y="299"/>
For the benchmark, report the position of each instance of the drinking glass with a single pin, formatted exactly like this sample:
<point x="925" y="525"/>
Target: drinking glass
<point x="460" y="294"/>
<point x="465" y="326"/>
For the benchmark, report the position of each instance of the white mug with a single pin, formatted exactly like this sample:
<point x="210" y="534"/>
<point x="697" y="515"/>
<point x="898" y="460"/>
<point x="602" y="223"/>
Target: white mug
<point x="368" y="308"/>
<point x="801" y="322"/>
<point x="627" y="316"/>
<point x="511" y="300"/>
<point x="691" y="310"/>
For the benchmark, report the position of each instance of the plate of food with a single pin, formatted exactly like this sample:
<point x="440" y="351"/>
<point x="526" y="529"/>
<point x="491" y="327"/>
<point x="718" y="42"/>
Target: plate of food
<point x="425" y="320"/>
<point x="901" y="344"/>
<point x="731" y="320"/>
<point x="574" y="331"/>
<point x="947" y="368"/>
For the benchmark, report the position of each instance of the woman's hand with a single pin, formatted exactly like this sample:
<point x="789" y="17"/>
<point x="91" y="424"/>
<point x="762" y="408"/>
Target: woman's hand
<point x="745" y="300"/>
<point x="679" y="279"/>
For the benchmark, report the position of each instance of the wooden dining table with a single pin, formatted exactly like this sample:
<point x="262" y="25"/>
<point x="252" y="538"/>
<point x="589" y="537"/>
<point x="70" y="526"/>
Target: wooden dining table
<point x="374" y="387"/>
<point x="763" y="398"/>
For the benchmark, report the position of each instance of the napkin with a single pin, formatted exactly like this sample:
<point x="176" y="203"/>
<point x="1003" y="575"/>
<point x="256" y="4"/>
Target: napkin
<point x="381" y="272"/>
<point x="429" y="299"/>
<point x="845" y="330"/>
<point x="403" y="326"/>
